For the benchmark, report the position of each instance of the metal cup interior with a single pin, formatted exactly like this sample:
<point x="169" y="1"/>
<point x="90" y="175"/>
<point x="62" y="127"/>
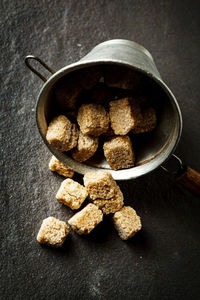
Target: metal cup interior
<point x="151" y="149"/>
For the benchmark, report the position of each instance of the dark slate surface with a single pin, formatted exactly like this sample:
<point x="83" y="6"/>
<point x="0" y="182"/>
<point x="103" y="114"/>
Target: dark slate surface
<point x="163" y="260"/>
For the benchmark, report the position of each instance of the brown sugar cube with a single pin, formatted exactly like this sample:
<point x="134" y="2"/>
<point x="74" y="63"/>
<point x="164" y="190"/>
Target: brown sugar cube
<point x="99" y="185"/>
<point x="67" y="92"/>
<point x="111" y="205"/>
<point x="116" y="76"/>
<point x="121" y="118"/>
<point x="59" y="133"/>
<point x="124" y="114"/>
<point x="86" y="147"/>
<point x="89" y="77"/>
<point x="136" y="111"/>
<point x="87" y="219"/>
<point x="73" y="138"/>
<point x="52" y="232"/>
<point x="126" y="222"/>
<point x="56" y="166"/>
<point x="119" y="153"/>
<point x="71" y="193"/>
<point x="93" y="119"/>
<point x="148" y="122"/>
<point x="62" y="134"/>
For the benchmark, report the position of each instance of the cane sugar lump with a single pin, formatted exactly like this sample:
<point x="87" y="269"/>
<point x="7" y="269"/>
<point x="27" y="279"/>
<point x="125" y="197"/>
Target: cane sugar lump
<point x="59" y="132"/>
<point x="108" y="206"/>
<point x="136" y="111"/>
<point x="148" y="122"/>
<point x="56" y="166"/>
<point x="71" y="193"/>
<point x="52" y="232"/>
<point x="111" y="205"/>
<point x="99" y="184"/>
<point x="126" y="222"/>
<point x="73" y="138"/>
<point x="86" y="220"/>
<point x="86" y="147"/>
<point x="93" y="119"/>
<point x="119" y="153"/>
<point x="121" y="117"/>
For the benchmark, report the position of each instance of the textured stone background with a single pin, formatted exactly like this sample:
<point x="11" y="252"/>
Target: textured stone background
<point x="163" y="260"/>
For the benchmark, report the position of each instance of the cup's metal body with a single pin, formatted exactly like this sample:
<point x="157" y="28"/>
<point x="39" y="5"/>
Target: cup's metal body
<point x="129" y="54"/>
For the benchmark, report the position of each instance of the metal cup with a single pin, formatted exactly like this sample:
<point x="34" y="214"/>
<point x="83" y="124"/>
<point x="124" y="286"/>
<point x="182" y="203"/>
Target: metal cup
<point x="129" y="54"/>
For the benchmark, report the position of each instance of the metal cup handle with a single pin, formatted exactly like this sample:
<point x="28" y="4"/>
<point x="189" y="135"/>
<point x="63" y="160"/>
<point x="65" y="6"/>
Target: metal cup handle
<point x="28" y="58"/>
<point x="186" y="176"/>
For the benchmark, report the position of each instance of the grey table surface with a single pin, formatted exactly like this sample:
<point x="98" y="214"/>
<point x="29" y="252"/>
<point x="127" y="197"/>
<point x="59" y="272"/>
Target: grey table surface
<point x="163" y="260"/>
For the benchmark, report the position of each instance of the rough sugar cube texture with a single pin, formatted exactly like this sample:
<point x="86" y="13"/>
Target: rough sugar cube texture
<point x="86" y="147"/>
<point x="127" y="222"/>
<point x="87" y="219"/>
<point x="62" y="134"/>
<point x="121" y="117"/>
<point x="136" y="111"/>
<point x="71" y="193"/>
<point x="119" y="153"/>
<point x="111" y="205"/>
<point x="148" y="122"/>
<point x="93" y="119"/>
<point x="59" y="133"/>
<point x="73" y="138"/>
<point x="99" y="185"/>
<point x="56" y="166"/>
<point x="52" y="232"/>
<point x="124" y="114"/>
